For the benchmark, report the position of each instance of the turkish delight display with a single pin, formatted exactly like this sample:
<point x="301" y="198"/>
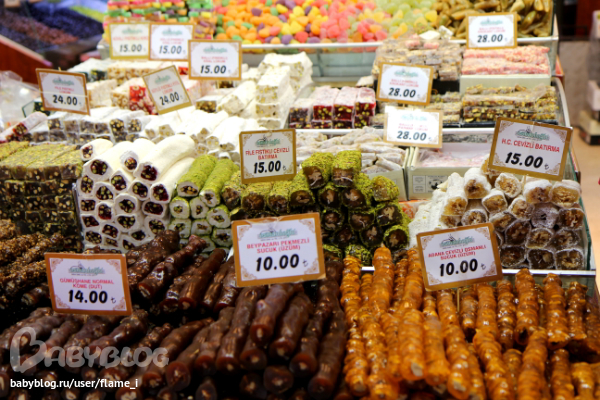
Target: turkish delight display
<point x="520" y="60"/>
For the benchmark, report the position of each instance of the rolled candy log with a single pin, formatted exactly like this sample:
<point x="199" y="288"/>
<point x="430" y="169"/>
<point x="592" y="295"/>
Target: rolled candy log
<point x="100" y="168"/>
<point x="360" y="194"/>
<point x="163" y="156"/>
<point x="95" y="148"/>
<point x="329" y="196"/>
<point x="345" y="166"/>
<point x="191" y="183"/>
<point x="211" y="191"/>
<point x="279" y="197"/>
<point x="476" y="184"/>
<point x="300" y="193"/>
<point x="164" y="189"/>
<point x="255" y="196"/>
<point x="384" y="189"/>
<point x="317" y="169"/>
<point x="193" y="290"/>
<point x="127" y="204"/>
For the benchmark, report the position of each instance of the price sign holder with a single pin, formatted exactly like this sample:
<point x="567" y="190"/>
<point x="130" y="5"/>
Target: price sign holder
<point x="166" y="84"/>
<point x="169" y="42"/>
<point x="88" y="283"/>
<point x="413" y="128"/>
<point x="63" y="91"/>
<point x="208" y="56"/>
<point x="278" y="250"/>
<point x="530" y="148"/>
<point x="128" y="41"/>
<point x="405" y="84"/>
<point x="460" y="256"/>
<point x="268" y="155"/>
<point x="484" y="30"/>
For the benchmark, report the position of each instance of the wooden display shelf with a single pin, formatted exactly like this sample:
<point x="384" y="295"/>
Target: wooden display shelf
<point x="21" y="60"/>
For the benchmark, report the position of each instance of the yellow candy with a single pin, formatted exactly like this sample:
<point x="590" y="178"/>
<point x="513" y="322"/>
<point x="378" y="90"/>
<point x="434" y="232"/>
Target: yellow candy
<point x="298" y="11"/>
<point x="245" y="41"/>
<point x="295" y="27"/>
<point x="379" y="16"/>
<point x="281" y="8"/>
<point x="431" y="16"/>
<point x="205" y="14"/>
<point x="399" y="15"/>
<point x="420" y="21"/>
<point x="286" y="30"/>
<point x="294" y="41"/>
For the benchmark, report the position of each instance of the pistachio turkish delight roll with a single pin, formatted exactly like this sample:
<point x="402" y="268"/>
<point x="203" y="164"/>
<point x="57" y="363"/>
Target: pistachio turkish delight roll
<point x="126" y="204"/>
<point x="346" y="165"/>
<point x="201" y="227"/>
<point x="155" y="225"/>
<point x="191" y="183"/>
<point x="110" y="229"/>
<point x="385" y="189"/>
<point x="85" y="187"/>
<point x="198" y="208"/>
<point x="255" y="196"/>
<point x="183" y="226"/>
<point x="571" y="217"/>
<point x="165" y="188"/>
<point x="565" y="238"/>
<point x="239" y="214"/>
<point x="231" y="193"/>
<point x="87" y="220"/>
<point x="508" y="184"/>
<point x="87" y="205"/>
<point x="570" y="259"/>
<point x="154" y="209"/>
<point x="537" y="190"/>
<point x="219" y="217"/>
<point x="92" y="235"/>
<point x="140" y="190"/>
<point x="476" y="184"/>
<point x="565" y="193"/>
<point x="300" y="193"/>
<point x="222" y="237"/>
<point x="127" y="243"/>
<point x="360" y="220"/>
<point x="94" y="148"/>
<point x="105" y="211"/>
<point x="329" y="196"/>
<point x="502" y="220"/>
<point x="360" y="194"/>
<point x="103" y="166"/>
<point x="110" y="243"/>
<point x="332" y="219"/>
<point x="512" y="255"/>
<point x="279" y="197"/>
<point x="211" y="191"/>
<point x="495" y="202"/>
<point x="539" y="238"/>
<point x="142" y="236"/>
<point x="542" y="258"/>
<point x="517" y="232"/>
<point x="520" y="208"/>
<point x="544" y="215"/>
<point x="129" y="222"/>
<point x="210" y="245"/>
<point x="163" y="156"/>
<point x="179" y="207"/>
<point x="121" y="180"/>
<point x="130" y="159"/>
<point x="360" y="252"/>
<point x="317" y="169"/>
<point x="396" y="237"/>
<point x="388" y="214"/>
<point x="104" y="191"/>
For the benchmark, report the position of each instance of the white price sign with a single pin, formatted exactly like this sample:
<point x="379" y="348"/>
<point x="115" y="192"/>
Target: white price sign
<point x="413" y="128"/>
<point x="459" y="257"/>
<point x="493" y="30"/>
<point x="268" y="155"/>
<point x="405" y="84"/>
<point x="530" y="148"/>
<point x="169" y="42"/>
<point x="129" y="41"/>
<point x="88" y="283"/>
<point x="215" y="60"/>
<point x="278" y="250"/>
<point x="63" y="91"/>
<point x="166" y="90"/>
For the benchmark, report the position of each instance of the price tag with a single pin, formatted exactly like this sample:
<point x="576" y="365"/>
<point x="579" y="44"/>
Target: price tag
<point x="128" y="41"/>
<point x="459" y="256"/>
<point x="413" y="128"/>
<point x="530" y="148"/>
<point x="166" y="90"/>
<point x="88" y="283"/>
<point x="268" y="155"/>
<point x="405" y="84"/>
<point x="63" y="91"/>
<point x="169" y="42"/>
<point x="491" y="31"/>
<point x="216" y="60"/>
<point x="278" y="250"/>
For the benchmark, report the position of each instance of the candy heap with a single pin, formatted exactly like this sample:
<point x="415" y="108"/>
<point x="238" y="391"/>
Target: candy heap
<point x="520" y="60"/>
<point x="538" y="223"/>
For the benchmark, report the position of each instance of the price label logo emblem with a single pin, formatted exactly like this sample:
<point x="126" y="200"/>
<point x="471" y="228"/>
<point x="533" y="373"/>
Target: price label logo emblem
<point x="166" y="90"/>
<point x="88" y="283"/>
<point x="268" y="155"/>
<point x="63" y="91"/>
<point x="169" y="42"/>
<point x="459" y="257"/>
<point x="129" y="41"/>
<point x="405" y="84"/>
<point x="529" y="148"/>
<point x="491" y="31"/>
<point x="215" y="60"/>
<point x="413" y="128"/>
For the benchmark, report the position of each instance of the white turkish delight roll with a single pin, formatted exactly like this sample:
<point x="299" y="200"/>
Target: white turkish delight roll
<point x="222" y="237"/>
<point x="201" y="227"/>
<point x="201" y="124"/>
<point x="250" y="112"/>
<point x="455" y="203"/>
<point x="139" y="189"/>
<point x="520" y="208"/>
<point x="94" y="148"/>
<point x="156" y="225"/>
<point x="127" y="243"/>
<point x="509" y="184"/>
<point x="502" y="220"/>
<point x="153" y="209"/>
<point x="142" y="236"/>
<point x="198" y="208"/>
<point x="537" y="190"/>
<point x="129" y="222"/>
<point x="92" y="235"/>
<point x="165" y="154"/>
<point x="565" y="193"/>
<point x="210" y="244"/>
<point x="494" y="201"/>
<point x="121" y="180"/>
<point x="110" y="243"/>
<point x="85" y="187"/>
<point x="273" y="85"/>
<point x="105" y="211"/>
<point x="231" y="126"/>
<point x="179" y="207"/>
<point x="89" y="220"/>
<point x="100" y="168"/>
<point x="164" y="190"/>
<point x="104" y="191"/>
<point x="181" y="225"/>
<point x="235" y="102"/>
<point x="125" y="203"/>
<point x="110" y="229"/>
<point x="476" y="184"/>
<point x="130" y="159"/>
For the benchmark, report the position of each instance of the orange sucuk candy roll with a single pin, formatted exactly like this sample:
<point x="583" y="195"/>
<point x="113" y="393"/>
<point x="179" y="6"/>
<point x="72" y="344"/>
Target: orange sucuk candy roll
<point x="437" y="366"/>
<point x="468" y="311"/>
<point x="457" y="353"/>
<point x="497" y="375"/>
<point x="383" y="281"/>
<point x="583" y="380"/>
<point x="429" y="305"/>
<point x="365" y="288"/>
<point x="527" y="308"/>
<point x="477" y="390"/>
<point x="513" y="360"/>
<point x="486" y="309"/>
<point x="399" y="281"/>
<point x="531" y="381"/>
<point x="543" y="312"/>
<point x="411" y="346"/>
<point x="596" y="369"/>
<point x="557" y="324"/>
<point x="391" y="328"/>
<point x="350" y="288"/>
<point x="381" y="385"/>
<point x="356" y="367"/>
<point x="447" y="308"/>
<point x="507" y="314"/>
<point x="592" y="327"/>
<point x="576" y="301"/>
<point x="561" y="383"/>
<point x="412" y="297"/>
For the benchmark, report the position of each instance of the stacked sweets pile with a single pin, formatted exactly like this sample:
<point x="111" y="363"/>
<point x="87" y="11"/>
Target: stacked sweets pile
<point x="538" y="223"/>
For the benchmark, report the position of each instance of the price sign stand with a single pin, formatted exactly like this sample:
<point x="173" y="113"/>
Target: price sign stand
<point x="129" y="41"/>
<point x="413" y="128"/>
<point x="169" y="42"/>
<point x="492" y="31"/>
<point x="63" y="91"/>
<point x="88" y="283"/>
<point x="530" y="148"/>
<point x="405" y="84"/>
<point x="459" y="256"/>
<point x="166" y="90"/>
<point x="278" y="250"/>
<point x="215" y="60"/>
<point x="268" y="155"/>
